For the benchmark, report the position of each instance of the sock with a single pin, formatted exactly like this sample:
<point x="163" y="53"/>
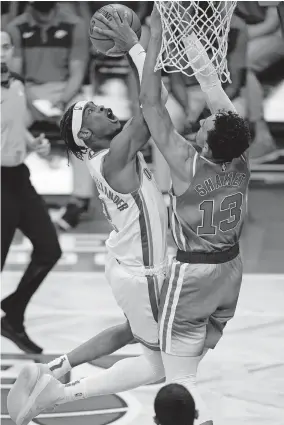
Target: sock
<point x="60" y="366"/>
<point x="122" y="376"/>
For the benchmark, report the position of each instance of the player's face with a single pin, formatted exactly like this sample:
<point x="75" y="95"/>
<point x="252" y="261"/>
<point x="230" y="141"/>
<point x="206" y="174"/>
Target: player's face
<point x="6" y="49"/>
<point x="205" y="127"/>
<point x="100" y="120"/>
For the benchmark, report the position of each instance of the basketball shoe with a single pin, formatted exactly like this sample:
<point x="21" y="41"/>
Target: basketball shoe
<point x="41" y="394"/>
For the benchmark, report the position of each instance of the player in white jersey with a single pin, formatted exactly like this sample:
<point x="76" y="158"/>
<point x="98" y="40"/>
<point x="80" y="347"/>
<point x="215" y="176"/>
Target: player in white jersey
<point x="137" y="257"/>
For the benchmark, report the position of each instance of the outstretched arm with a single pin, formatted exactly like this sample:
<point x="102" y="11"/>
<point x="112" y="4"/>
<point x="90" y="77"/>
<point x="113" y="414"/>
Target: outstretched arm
<point x="172" y="145"/>
<point x="208" y="79"/>
<point x="135" y="133"/>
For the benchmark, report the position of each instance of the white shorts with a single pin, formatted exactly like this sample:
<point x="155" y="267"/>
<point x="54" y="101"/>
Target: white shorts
<point x="138" y="297"/>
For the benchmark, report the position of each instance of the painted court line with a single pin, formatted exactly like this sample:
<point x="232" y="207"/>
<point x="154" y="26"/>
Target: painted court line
<point x="91" y="274"/>
<point x="81" y="413"/>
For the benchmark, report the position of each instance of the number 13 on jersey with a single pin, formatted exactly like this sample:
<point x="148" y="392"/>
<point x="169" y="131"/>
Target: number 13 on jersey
<point x="225" y="218"/>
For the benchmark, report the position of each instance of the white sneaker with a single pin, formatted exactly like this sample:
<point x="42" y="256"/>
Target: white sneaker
<point x="46" y="393"/>
<point x="24" y="386"/>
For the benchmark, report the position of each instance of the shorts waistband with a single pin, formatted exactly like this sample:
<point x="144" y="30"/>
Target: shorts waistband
<point x="208" y="257"/>
<point x="161" y="269"/>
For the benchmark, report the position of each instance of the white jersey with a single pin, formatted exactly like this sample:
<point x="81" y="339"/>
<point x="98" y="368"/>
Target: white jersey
<point x="138" y="219"/>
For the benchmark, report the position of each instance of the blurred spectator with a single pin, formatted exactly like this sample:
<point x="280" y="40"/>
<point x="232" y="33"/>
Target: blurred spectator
<point x="21" y="207"/>
<point x="174" y="405"/>
<point x="51" y="53"/>
<point x="265" y="47"/>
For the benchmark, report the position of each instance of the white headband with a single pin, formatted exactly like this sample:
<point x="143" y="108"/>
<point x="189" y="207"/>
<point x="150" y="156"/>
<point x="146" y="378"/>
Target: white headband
<point x="77" y="121"/>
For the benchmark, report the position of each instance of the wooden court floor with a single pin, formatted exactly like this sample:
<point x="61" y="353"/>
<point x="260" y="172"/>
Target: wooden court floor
<point x="242" y="380"/>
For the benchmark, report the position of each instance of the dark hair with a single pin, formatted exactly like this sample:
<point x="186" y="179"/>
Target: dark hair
<point x="67" y="135"/>
<point x="174" y="405"/>
<point x="43" y="6"/>
<point x="230" y="136"/>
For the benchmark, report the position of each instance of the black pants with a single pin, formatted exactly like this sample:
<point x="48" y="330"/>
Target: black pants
<point x="22" y="208"/>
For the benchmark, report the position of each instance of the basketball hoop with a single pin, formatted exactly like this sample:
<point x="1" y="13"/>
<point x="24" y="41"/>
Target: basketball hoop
<point x="210" y="21"/>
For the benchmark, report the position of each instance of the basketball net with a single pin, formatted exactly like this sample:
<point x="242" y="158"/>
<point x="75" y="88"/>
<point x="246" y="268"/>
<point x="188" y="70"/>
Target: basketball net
<point x="210" y="21"/>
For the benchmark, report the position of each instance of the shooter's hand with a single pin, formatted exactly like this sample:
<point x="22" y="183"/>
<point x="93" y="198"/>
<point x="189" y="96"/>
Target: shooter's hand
<point x="120" y="31"/>
<point x="155" y="23"/>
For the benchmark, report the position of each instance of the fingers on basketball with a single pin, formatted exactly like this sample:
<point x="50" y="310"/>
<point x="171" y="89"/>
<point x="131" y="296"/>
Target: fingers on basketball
<point x="117" y="18"/>
<point x="104" y="22"/>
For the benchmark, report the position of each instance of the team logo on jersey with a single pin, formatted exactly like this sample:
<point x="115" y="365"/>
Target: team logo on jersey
<point x="224" y="167"/>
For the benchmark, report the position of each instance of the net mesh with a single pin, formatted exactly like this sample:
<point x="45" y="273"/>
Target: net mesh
<point x="210" y="21"/>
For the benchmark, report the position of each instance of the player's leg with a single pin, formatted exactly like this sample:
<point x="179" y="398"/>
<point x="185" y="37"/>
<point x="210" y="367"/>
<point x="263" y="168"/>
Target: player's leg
<point x="122" y="376"/>
<point x="102" y="344"/>
<point x="186" y="304"/>
<point x="230" y="274"/>
<point x="137" y="296"/>
<point x="183" y="371"/>
<point x="125" y="374"/>
<point x="106" y="342"/>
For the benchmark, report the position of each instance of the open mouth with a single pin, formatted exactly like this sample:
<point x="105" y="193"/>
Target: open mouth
<point x="110" y="115"/>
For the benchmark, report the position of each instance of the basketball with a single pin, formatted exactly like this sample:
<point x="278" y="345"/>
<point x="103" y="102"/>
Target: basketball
<point x="100" y="42"/>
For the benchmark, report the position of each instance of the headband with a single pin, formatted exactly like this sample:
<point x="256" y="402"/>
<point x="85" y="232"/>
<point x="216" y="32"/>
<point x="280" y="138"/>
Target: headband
<point x="77" y="121"/>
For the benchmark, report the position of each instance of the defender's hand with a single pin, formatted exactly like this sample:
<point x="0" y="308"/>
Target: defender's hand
<point x="155" y="22"/>
<point x="120" y="31"/>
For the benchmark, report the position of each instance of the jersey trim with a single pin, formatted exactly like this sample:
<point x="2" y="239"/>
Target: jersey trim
<point x="194" y="164"/>
<point x="176" y="226"/>
<point x="145" y="230"/>
<point x="173" y="290"/>
<point x="151" y="280"/>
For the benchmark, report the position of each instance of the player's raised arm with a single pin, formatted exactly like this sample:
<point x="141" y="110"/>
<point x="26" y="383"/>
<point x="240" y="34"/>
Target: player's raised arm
<point x="206" y="75"/>
<point x="173" y="146"/>
<point x="135" y="133"/>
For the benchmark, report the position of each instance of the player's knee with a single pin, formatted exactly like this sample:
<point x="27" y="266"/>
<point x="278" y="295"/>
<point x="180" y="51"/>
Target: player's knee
<point x="155" y="359"/>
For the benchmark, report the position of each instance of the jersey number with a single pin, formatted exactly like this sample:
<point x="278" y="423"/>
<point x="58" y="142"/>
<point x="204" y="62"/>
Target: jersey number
<point x="232" y="204"/>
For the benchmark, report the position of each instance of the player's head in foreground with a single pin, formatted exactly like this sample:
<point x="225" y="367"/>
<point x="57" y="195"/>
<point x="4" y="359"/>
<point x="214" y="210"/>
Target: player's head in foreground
<point x="7" y="50"/>
<point x="223" y="136"/>
<point x="174" y="405"/>
<point x="86" y="125"/>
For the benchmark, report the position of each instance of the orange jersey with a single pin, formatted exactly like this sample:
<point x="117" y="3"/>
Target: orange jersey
<point x="209" y="216"/>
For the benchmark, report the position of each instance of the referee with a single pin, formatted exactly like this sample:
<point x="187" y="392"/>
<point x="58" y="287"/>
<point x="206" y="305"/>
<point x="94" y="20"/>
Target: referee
<point x="21" y="207"/>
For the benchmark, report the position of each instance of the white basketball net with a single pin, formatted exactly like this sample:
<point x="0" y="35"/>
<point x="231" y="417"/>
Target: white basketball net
<point x="210" y="20"/>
